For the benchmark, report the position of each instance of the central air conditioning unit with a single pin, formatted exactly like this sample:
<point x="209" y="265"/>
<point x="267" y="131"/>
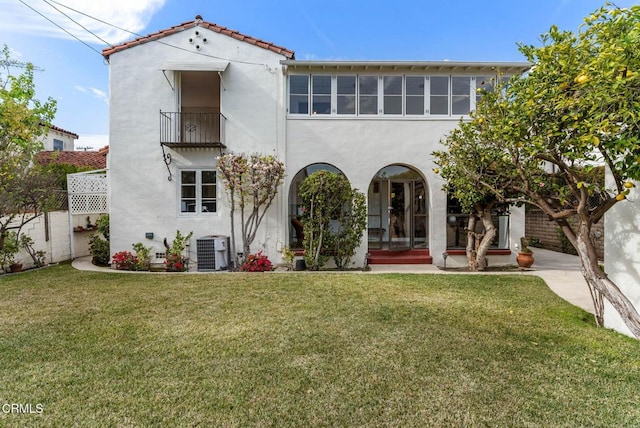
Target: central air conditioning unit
<point x="212" y="252"/>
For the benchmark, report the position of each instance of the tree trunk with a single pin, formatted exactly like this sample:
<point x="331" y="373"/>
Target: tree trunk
<point x="472" y="260"/>
<point x="487" y="239"/>
<point x="478" y="243"/>
<point x="601" y="286"/>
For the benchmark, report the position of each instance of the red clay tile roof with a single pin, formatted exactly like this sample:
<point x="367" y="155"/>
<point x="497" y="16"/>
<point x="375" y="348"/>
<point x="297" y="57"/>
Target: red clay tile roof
<point x="64" y="131"/>
<point x="289" y="54"/>
<point x="96" y="160"/>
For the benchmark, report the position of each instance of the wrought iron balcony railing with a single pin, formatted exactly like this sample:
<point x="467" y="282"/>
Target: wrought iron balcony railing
<point x="178" y="129"/>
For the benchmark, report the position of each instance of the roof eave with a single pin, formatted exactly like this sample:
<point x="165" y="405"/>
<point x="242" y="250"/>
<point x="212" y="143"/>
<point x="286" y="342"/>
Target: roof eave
<point x="417" y="66"/>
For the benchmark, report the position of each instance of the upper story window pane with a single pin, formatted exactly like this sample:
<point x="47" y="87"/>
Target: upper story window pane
<point x="392" y="94"/>
<point x="414" y="101"/>
<point x="299" y="94"/>
<point x="460" y="95"/>
<point x="484" y="83"/>
<point x="58" y="145"/>
<point x="368" y="99"/>
<point x="321" y="94"/>
<point x="439" y="98"/>
<point x="346" y="94"/>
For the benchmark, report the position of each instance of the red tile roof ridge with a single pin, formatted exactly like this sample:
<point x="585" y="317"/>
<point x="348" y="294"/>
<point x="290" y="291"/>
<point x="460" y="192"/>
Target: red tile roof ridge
<point x="289" y="54"/>
<point x="64" y="131"/>
<point x="96" y="160"/>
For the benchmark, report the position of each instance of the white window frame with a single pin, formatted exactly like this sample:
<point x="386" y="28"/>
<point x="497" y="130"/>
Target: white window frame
<point x="471" y="94"/>
<point x="198" y="196"/>
<point x="309" y="95"/>
<point x="59" y="143"/>
<point x="403" y="92"/>
<point x="406" y="96"/>
<point x="427" y="112"/>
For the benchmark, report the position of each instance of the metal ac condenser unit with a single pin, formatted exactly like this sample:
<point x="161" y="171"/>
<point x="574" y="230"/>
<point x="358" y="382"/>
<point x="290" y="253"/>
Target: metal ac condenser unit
<point x="212" y="252"/>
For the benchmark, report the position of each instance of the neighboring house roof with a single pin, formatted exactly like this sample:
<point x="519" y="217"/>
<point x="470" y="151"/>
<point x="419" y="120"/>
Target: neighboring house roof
<point x="64" y="131"/>
<point x="198" y="22"/>
<point x="96" y="160"/>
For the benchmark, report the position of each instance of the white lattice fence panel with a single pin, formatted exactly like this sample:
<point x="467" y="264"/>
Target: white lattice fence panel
<point x="87" y="183"/>
<point x="88" y="193"/>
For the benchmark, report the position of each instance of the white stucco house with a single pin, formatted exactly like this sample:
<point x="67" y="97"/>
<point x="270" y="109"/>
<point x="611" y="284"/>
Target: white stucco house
<point x="182" y="96"/>
<point x="58" y="139"/>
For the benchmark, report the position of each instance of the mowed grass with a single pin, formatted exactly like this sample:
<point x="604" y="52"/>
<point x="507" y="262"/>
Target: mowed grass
<point x="300" y="349"/>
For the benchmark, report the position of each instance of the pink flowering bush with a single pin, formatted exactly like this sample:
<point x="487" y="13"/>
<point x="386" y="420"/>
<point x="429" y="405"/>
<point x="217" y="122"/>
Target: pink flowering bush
<point x="124" y="260"/>
<point x="257" y="263"/>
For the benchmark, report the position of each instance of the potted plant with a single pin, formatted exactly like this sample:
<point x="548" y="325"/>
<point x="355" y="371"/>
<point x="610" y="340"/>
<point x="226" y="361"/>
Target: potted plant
<point x="525" y="255"/>
<point x="15" y="266"/>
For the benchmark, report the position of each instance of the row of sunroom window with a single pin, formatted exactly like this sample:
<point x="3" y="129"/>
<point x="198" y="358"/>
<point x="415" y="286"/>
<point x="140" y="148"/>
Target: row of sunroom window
<point x="393" y="95"/>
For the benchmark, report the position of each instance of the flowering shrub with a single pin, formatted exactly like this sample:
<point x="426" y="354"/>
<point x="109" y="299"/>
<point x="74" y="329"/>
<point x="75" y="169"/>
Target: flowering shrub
<point x="124" y="260"/>
<point x="175" y="263"/>
<point x="256" y="263"/>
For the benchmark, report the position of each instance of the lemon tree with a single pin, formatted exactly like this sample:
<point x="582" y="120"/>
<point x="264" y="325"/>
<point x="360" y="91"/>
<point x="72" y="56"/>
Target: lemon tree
<point x="537" y="139"/>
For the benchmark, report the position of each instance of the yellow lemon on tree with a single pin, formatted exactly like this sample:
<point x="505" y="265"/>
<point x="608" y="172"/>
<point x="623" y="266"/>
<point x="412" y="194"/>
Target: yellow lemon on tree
<point x="620" y="196"/>
<point x="629" y="184"/>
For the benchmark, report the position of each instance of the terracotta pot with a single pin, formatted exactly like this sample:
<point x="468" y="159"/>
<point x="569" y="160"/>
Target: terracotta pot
<point x="525" y="260"/>
<point x="16" y="267"/>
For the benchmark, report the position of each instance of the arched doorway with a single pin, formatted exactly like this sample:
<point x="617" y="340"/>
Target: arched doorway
<point x="296" y="235"/>
<point x="398" y="216"/>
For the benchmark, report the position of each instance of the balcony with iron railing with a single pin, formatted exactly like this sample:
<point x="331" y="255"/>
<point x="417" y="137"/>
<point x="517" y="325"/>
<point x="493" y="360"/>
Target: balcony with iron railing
<point x="202" y="129"/>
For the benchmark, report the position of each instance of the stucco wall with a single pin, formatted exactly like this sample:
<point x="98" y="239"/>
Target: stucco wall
<point x="142" y="199"/>
<point x="58" y="244"/>
<point x="67" y="140"/>
<point x="622" y="247"/>
<point x="362" y="147"/>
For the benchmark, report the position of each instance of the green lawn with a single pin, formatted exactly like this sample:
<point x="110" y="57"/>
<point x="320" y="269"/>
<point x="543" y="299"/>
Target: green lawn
<point x="307" y="350"/>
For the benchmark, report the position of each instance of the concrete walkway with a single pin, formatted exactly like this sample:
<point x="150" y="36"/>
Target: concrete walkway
<point x="560" y="271"/>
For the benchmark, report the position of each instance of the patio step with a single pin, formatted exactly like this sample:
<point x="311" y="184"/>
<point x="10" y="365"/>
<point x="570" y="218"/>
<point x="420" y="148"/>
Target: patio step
<point x="408" y="257"/>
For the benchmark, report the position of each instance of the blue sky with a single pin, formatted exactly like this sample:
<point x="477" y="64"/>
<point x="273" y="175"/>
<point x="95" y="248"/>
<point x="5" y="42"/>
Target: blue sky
<point x="77" y="77"/>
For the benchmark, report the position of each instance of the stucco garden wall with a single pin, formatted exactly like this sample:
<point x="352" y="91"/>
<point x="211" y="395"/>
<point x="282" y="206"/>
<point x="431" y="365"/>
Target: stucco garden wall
<point x="622" y="247"/>
<point x="57" y="245"/>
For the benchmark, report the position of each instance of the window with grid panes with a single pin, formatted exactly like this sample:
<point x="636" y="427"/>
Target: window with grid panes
<point x="198" y="191"/>
<point x="460" y="95"/>
<point x="414" y="95"/>
<point x="439" y="95"/>
<point x="368" y="95"/>
<point x="346" y="94"/>
<point x="321" y="94"/>
<point x="299" y="94"/>
<point x="392" y="87"/>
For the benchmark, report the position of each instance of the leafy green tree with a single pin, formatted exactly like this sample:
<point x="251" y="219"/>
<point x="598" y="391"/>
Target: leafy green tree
<point x="25" y="191"/>
<point x="461" y="165"/>
<point x="537" y="139"/>
<point x="334" y="219"/>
